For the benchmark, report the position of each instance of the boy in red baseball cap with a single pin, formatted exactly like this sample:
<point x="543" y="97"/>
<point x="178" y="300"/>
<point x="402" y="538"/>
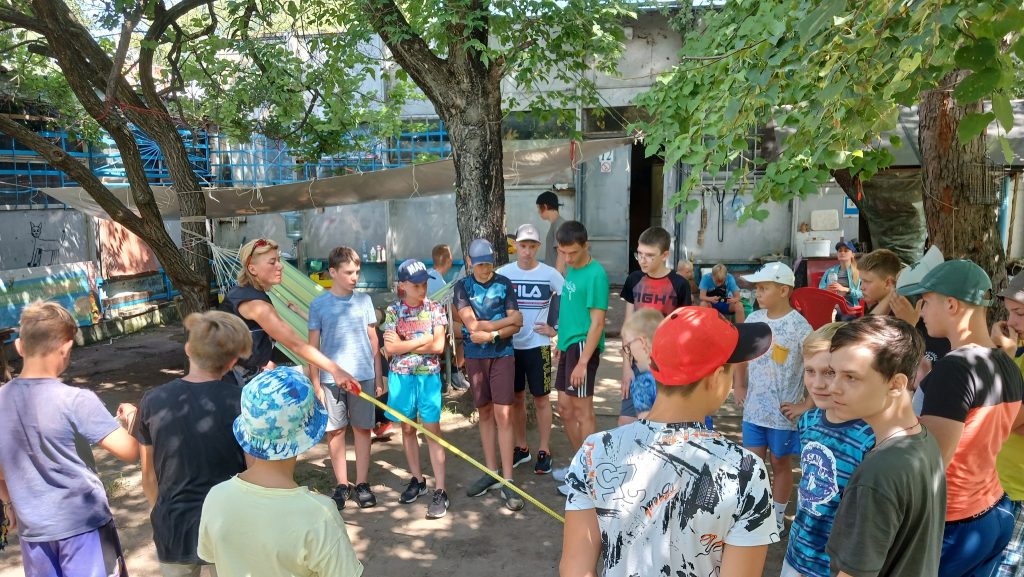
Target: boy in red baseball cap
<point x="673" y="495"/>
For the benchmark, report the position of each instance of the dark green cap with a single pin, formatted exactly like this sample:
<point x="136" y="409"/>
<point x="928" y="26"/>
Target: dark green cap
<point x="959" y="279"/>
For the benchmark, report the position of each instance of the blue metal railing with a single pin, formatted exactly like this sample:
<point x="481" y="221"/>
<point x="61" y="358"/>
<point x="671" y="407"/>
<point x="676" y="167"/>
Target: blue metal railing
<point x="216" y="160"/>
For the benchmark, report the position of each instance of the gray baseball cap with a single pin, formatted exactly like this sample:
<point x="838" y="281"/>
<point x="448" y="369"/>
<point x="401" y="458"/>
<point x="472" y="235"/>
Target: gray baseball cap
<point x="527" y="232"/>
<point x="1015" y="290"/>
<point x="481" y="252"/>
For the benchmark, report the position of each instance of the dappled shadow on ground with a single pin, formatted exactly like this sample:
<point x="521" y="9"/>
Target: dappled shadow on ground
<point x="478" y="536"/>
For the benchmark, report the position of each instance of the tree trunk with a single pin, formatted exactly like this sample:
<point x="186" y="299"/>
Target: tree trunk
<point x="87" y="69"/>
<point x="475" y="135"/>
<point x="466" y="92"/>
<point x="195" y="292"/>
<point x="953" y="174"/>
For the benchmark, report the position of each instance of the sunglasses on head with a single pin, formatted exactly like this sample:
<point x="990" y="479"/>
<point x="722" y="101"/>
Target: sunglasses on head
<point x="260" y="243"/>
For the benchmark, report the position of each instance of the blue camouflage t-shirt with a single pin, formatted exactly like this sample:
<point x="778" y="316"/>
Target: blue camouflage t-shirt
<point x="490" y="302"/>
<point x="829" y="453"/>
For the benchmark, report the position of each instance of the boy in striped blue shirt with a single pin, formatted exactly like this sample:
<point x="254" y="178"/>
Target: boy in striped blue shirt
<point x="830" y="450"/>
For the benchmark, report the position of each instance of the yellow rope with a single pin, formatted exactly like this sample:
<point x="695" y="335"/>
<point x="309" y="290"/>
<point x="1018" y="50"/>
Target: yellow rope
<point x="459" y="452"/>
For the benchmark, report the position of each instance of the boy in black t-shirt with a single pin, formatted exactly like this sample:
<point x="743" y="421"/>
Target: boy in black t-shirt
<point x="654" y="286"/>
<point x="185" y="429"/>
<point x="891" y="517"/>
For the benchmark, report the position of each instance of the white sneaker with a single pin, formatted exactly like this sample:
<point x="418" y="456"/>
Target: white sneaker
<point x="564" y="489"/>
<point x="559" y="474"/>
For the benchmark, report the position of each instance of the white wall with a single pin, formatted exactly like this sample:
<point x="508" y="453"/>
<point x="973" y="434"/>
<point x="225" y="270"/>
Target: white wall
<point x="62" y="238"/>
<point x="417" y="224"/>
<point x="751" y="240"/>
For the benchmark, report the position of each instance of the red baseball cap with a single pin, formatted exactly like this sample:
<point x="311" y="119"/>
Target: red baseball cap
<point x="694" y="341"/>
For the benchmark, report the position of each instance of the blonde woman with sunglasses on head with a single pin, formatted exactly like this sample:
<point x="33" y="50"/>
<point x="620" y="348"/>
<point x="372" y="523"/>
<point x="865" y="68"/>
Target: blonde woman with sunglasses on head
<point x="262" y="269"/>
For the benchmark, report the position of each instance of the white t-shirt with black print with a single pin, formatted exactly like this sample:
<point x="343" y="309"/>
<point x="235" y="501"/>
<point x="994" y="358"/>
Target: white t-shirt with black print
<point x="669" y="497"/>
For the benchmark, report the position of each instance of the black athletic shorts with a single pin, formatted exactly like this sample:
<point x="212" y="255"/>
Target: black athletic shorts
<point x="533" y="366"/>
<point x="567" y="362"/>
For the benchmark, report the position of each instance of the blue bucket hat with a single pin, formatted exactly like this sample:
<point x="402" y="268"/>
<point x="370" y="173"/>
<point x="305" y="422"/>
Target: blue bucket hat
<point x="281" y="417"/>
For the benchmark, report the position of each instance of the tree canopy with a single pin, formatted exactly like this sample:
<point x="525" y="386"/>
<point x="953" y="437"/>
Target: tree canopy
<point x="833" y="75"/>
<point x="313" y="74"/>
<point x="322" y="76"/>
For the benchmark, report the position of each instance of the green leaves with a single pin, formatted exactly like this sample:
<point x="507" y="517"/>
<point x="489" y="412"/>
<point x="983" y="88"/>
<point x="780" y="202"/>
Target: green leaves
<point x="976" y="56"/>
<point x="819" y="18"/>
<point x="977" y="85"/>
<point x="1003" y="110"/>
<point x="832" y="78"/>
<point x="973" y="125"/>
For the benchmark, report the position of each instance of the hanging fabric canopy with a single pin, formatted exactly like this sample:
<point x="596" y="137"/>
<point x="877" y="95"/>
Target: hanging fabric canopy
<point x="427" y="179"/>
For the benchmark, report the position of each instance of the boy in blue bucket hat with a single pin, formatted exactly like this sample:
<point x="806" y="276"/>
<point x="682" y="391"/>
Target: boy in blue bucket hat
<point x="261" y="522"/>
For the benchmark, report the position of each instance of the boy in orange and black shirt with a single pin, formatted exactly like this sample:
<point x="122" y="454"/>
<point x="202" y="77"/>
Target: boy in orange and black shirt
<point x="972" y="400"/>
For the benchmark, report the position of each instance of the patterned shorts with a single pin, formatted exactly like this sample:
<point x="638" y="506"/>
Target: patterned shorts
<point x="1012" y="564"/>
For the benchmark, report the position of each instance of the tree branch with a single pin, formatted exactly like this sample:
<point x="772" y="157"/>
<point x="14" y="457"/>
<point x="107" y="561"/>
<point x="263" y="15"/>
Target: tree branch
<point x="407" y="47"/>
<point x="22" y="20"/>
<point x="60" y="159"/>
<point x="507" y="60"/>
<point x="14" y="47"/>
<point x="123" y="43"/>
<point x="161" y="22"/>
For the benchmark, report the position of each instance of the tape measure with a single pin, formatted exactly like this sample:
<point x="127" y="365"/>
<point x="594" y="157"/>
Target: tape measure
<point x="457" y="451"/>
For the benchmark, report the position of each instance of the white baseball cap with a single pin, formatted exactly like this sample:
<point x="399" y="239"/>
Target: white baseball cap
<point x="527" y="232"/>
<point x="773" y="272"/>
<point x="913" y="274"/>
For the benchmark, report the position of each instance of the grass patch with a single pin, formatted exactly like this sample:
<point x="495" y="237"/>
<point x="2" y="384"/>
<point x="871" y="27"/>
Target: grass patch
<point x="317" y="478"/>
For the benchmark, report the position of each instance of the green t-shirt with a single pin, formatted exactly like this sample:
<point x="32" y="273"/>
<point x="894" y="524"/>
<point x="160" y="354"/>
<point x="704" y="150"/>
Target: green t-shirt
<point x="1010" y="463"/>
<point x="585" y="288"/>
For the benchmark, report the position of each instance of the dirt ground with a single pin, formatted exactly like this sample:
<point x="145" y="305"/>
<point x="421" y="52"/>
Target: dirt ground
<point x="479" y="537"/>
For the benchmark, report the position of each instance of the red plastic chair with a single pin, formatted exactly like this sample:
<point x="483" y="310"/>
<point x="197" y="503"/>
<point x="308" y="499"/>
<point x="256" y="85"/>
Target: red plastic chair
<point x="817" y="305"/>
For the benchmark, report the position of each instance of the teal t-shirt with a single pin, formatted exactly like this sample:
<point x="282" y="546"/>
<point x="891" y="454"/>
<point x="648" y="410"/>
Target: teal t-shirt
<point x="585" y="288"/>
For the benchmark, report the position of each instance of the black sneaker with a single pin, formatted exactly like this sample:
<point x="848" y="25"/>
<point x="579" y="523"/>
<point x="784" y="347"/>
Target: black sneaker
<point x="482" y="485"/>
<point x="364" y="496"/>
<point x="520" y="456"/>
<point x="413" y="491"/>
<point x="512" y="499"/>
<point x="341" y="494"/>
<point x="543" y="466"/>
<point x="438" y="506"/>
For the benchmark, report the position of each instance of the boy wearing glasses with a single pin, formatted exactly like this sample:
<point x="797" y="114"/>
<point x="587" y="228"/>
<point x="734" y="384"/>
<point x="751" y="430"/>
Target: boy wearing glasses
<point x="654" y="286"/>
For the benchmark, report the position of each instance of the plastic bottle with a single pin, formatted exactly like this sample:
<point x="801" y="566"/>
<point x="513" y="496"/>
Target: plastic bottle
<point x="365" y="251"/>
<point x="383" y="254"/>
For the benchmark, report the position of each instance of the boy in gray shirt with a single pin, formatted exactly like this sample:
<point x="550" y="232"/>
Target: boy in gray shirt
<point x="342" y="324"/>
